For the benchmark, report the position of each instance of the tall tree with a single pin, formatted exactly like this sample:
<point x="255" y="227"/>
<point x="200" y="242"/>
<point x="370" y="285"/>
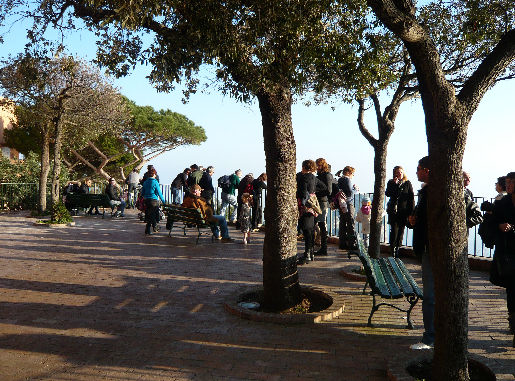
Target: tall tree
<point x="262" y="50"/>
<point x="449" y="101"/>
<point x="65" y="100"/>
<point x="148" y="134"/>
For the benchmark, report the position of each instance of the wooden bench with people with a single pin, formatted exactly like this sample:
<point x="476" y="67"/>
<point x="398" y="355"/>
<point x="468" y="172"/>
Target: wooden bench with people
<point x="88" y="200"/>
<point x="190" y="217"/>
<point x="388" y="278"/>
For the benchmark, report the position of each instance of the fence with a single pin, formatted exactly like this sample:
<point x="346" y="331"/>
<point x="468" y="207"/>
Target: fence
<point x="25" y="196"/>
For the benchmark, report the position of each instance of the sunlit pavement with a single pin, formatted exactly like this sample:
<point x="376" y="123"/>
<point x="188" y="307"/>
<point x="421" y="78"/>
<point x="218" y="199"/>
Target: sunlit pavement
<point x="101" y="300"/>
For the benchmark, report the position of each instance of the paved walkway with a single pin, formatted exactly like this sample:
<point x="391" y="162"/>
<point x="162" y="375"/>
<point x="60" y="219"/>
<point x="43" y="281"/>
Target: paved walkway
<point x="100" y="301"/>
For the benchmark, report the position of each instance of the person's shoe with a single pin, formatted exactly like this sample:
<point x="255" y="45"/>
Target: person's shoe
<point x="322" y="251"/>
<point x="148" y="232"/>
<point x="96" y="212"/>
<point x="244" y="241"/>
<point x="155" y="229"/>
<point x="227" y="240"/>
<point x="420" y="346"/>
<point x="121" y="215"/>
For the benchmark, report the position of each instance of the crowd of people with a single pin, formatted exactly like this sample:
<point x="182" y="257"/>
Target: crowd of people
<point x="317" y="192"/>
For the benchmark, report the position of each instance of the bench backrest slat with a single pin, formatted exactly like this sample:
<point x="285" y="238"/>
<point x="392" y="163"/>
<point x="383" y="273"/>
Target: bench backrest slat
<point x="380" y="282"/>
<point x="389" y="278"/>
<point x="409" y="278"/>
<point x="186" y="215"/>
<point x="403" y="283"/>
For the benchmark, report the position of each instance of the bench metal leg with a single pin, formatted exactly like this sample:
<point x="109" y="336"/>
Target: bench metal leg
<point x="199" y="234"/>
<point x="412" y="300"/>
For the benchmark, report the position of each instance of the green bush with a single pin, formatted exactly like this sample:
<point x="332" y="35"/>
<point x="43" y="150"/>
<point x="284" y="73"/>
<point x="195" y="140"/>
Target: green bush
<point x="60" y="215"/>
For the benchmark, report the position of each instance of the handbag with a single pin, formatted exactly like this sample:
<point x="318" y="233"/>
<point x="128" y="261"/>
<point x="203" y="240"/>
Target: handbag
<point x="313" y="203"/>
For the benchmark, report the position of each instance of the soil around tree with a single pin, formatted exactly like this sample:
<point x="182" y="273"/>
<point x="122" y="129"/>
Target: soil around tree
<point x="310" y="302"/>
<point x="422" y="370"/>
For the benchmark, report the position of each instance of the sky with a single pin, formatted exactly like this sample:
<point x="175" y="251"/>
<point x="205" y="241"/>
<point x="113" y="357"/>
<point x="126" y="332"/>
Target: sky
<point x="235" y="138"/>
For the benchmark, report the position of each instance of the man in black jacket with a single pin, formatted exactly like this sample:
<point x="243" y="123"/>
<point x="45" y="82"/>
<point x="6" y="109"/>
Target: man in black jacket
<point x="180" y="182"/>
<point x="418" y="222"/>
<point x="115" y="199"/>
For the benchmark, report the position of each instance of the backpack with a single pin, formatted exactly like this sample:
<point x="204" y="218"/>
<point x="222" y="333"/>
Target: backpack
<point x="196" y="176"/>
<point x="224" y="182"/>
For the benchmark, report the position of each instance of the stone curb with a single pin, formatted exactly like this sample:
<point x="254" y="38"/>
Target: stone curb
<point x="348" y="274"/>
<point x="333" y="311"/>
<point x="396" y="365"/>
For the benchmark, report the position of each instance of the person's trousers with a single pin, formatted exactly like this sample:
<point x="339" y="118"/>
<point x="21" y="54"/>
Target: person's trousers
<point x="321" y="220"/>
<point x="307" y="224"/>
<point x="428" y="303"/>
<point x="347" y="229"/>
<point x="221" y="227"/>
<point x="257" y="213"/>
<point x="396" y="235"/>
<point x="151" y="213"/>
<point x="510" y="299"/>
<point x="229" y="199"/>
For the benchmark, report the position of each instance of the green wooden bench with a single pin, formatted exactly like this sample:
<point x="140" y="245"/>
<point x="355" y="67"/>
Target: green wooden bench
<point x="390" y="279"/>
<point x="190" y="218"/>
<point x="85" y="200"/>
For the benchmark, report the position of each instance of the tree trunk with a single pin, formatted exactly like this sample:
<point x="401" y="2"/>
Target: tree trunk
<point x="45" y="169"/>
<point x="57" y="163"/>
<point x="280" y="277"/>
<point x="376" y="219"/>
<point x="447" y="235"/>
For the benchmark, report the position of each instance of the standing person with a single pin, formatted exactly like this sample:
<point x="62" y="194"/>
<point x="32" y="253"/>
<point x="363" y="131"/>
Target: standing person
<point x="245" y="223"/>
<point x="306" y="187"/>
<point x="206" y="183"/>
<point x="418" y="222"/>
<point x="179" y="183"/>
<point x="347" y="229"/>
<point x="133" y="181"/>
<point x="151" y="192"/>
<point x="115" y="199"/>
<point x="363" y="217"/>
<point x="323" y="175"/>
<point x="146" y="175"/>
<point x="466" y="183"/>
<point x="229" y="196"/>
<point x="258" y="185"/>
<point x="487" y="229"/>
<point x="245" y="186"/>
<point x="193" y="200"/>
<point x="195" y="175"/>
<point x="399" y="206"/>
<point x="502" y="270"/>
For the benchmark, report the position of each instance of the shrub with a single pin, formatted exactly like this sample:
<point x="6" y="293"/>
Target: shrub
<point x="60" y="215"/>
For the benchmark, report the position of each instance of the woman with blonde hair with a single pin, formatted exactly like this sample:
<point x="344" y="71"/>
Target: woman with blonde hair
<point x="323" y="175"/>
<point x="399" y="206"/>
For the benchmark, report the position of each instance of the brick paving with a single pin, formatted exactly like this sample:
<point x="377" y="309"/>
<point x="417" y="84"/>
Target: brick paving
<point x="100" y="301"/>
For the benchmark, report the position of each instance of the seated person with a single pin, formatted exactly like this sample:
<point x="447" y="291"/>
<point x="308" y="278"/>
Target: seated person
<point x="193" y="200"/>
<point x="84" y="189"/>
<point x="113" y="192"/>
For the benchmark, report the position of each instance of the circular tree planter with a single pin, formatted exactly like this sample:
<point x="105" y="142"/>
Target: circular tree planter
<point x="405" y="366"/>
<point x="353" y="273"/>
<point x="247" y="305"/>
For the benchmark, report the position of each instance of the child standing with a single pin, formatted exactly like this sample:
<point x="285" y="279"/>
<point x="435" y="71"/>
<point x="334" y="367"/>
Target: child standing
<point x="363" y="217"/>
<point x="245" y="217"/>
